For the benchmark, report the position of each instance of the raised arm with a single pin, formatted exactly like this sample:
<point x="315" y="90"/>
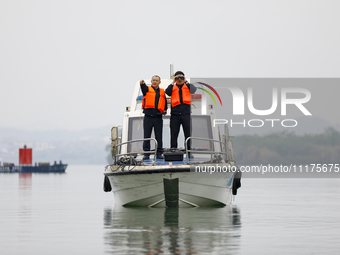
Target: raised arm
<point x="192" y="88"/>
<point x="143" y="87"/>
<point x="168" y="90"/>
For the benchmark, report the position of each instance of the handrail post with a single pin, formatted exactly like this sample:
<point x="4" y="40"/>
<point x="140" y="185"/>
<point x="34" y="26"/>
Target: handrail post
<point x="115" y="157"/>
<point x="156" y="146"/>
<point x="186" y="149"/>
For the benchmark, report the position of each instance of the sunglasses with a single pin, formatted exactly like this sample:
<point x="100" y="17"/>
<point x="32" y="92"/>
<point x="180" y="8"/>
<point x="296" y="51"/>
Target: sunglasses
<point x="179" y="77"/>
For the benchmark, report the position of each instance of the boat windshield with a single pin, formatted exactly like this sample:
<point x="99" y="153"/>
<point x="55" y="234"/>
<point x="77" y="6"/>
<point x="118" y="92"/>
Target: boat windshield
<point x="201" y="127"/>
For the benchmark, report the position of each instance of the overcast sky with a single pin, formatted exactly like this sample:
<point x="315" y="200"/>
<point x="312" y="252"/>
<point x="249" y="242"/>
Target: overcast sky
<point x="73" y="64"/>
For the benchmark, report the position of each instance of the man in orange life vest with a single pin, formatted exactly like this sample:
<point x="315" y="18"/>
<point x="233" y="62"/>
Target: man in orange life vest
<point x="154" y="105"/>
<point x="180" y="91"/>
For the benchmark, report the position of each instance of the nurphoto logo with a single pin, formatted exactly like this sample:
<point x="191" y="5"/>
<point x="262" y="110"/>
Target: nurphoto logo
<point x="238" y="107"/>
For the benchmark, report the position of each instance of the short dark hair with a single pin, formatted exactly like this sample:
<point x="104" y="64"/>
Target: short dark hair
<point x="156" y="76"/>
<point x="179" y="72"/>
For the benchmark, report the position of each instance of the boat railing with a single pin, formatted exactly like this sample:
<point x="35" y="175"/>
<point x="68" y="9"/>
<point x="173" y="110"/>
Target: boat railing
<point x="222" y="152"/>
<point x="135" y="152"/>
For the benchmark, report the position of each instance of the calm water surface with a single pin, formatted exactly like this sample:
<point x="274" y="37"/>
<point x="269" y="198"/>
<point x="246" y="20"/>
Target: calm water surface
<point x="70" y="214"/>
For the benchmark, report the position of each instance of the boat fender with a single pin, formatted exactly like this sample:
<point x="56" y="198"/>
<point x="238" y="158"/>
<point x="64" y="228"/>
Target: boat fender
<point x="236" y="182"/>
<point x="107" y="184"/>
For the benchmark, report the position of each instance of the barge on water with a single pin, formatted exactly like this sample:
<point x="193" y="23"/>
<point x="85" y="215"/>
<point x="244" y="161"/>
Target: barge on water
<point x="25" y="165"/>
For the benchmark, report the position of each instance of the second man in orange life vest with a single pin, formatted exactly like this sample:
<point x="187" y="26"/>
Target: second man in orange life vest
<point x="154" y="105"/>
<point x="180" y="91"/>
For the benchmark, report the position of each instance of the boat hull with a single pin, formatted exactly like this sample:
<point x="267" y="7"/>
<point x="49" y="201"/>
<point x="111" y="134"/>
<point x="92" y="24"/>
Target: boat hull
<point x="59" y="168"/>
<point x="162" y="186"/>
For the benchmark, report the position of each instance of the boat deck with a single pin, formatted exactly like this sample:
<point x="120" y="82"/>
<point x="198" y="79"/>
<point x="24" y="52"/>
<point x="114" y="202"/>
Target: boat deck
<point x="163" y="162"/>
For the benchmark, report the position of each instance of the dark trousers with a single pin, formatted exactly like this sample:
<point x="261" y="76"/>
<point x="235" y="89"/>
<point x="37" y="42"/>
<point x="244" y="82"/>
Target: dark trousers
<point x="156" y="124"/>
<point x="176" y="120"/>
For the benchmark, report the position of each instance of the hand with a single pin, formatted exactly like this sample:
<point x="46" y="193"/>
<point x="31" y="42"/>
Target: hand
<point x="173" y="81"/>
<point x="142" y="82"/>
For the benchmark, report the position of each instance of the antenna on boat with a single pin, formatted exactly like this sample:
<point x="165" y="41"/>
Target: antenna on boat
<point x="172" y="71"/>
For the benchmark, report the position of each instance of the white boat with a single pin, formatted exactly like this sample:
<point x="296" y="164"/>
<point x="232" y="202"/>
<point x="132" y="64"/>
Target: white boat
<point x="160" y="183"/>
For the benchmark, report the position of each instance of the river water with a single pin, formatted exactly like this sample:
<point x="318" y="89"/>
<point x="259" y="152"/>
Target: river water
<point x="70" y="214"/>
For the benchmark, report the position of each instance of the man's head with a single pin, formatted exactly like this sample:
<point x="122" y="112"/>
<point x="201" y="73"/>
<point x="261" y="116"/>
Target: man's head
<point x="155" y="81"/>
<point x="180" y="78"/>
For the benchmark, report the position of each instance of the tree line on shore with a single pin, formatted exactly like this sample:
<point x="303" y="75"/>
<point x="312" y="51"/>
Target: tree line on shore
<point x="288" y="148"/>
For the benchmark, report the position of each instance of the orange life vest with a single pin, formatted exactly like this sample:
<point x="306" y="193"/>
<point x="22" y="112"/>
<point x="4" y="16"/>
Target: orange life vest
<point x="150" y="98"/>
<point x="186" y="96"/>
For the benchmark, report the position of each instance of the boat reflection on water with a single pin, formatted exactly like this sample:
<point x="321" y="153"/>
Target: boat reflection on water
<point x="172" y="230"/>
